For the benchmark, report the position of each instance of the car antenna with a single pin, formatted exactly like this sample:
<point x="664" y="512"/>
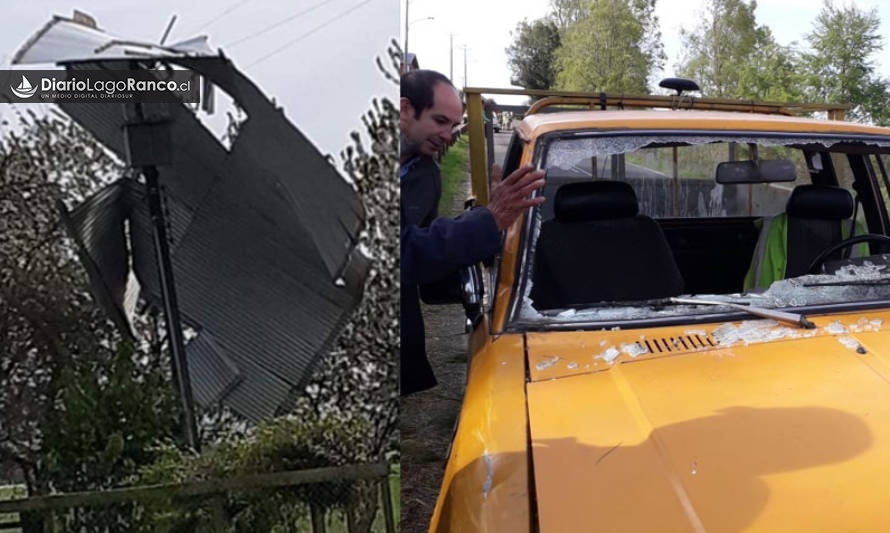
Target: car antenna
<point x="679" y="85"/>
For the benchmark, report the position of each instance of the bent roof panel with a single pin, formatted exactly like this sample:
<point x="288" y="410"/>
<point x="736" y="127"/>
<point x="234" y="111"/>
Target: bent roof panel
<point x="263" y="239"/>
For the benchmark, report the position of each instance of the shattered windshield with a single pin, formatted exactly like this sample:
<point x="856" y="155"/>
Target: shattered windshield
<point x="634" y="222"/>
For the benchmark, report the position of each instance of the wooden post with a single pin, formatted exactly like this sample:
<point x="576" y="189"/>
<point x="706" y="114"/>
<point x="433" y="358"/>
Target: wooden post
<point x="351" y="521"/>
<point x="317" y="518"/>
<point x="478" y="172"/>
<point x="218" y="513"/>
<point x="386" y="505"/>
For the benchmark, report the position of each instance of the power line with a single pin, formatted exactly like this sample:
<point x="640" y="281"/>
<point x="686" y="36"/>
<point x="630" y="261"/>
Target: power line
<point x="277" y="24"/>
<point x="308" y="33"/>
<point x="225" y="12"/>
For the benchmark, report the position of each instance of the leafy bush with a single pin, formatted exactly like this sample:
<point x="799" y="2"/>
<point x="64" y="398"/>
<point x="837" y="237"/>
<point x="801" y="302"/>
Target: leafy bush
<point x="283" y="444"/>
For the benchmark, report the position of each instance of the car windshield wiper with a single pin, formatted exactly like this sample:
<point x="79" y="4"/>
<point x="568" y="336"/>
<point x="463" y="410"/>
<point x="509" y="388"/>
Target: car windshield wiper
<point x="849" y="282"/>
<point x="796" y="319"/>
<point x="654" y="303"/>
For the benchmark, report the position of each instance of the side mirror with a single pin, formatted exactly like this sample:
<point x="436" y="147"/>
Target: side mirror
<point x="465" y="287"/>
<point x="473" y="289"/>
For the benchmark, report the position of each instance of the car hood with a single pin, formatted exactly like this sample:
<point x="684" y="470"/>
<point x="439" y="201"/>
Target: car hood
<point x="788" y="434"/>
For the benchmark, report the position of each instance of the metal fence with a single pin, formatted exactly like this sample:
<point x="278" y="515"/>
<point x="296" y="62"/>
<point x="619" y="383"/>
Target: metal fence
<point x="315" y="498"/>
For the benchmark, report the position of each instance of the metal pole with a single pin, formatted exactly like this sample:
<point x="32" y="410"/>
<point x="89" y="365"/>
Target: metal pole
<point x="171" y="307"/>
<point x="147" y="144"/>
<point x="451" y="57"/>
<point x="466" y="83"/>
<point x="167" y="31"/>
<point x="405" y="52"/>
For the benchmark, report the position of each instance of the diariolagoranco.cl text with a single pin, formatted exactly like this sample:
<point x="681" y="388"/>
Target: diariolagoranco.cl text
<point x="130" y="85"/>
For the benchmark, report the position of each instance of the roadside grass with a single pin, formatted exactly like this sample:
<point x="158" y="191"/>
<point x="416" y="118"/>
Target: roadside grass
<point x="453" y="165"/>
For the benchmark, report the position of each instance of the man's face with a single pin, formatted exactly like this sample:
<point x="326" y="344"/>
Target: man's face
<point x="429" y="132"/>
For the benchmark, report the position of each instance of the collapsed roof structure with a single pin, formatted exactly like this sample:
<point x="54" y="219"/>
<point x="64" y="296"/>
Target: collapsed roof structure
<point x="263" y="235"/>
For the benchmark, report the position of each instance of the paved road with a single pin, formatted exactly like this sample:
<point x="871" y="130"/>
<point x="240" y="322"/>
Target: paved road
<point x="501" y="140"/>
<point x="428" y="418"/>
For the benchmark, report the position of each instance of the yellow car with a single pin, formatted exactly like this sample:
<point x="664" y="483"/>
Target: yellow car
<point x="691" y="334"/>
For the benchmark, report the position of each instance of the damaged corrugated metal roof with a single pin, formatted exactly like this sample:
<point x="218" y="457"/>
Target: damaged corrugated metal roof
<point x="263" y="240"/>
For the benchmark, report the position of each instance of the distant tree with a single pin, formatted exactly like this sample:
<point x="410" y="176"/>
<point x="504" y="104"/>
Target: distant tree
<point x="730" y="55"/>
<point x="615" y="47"/>
<point x="840" y="66"/>
<point x="773" y="74"/>
<point x="564" y="13"/>
<point x="531" y="55"/>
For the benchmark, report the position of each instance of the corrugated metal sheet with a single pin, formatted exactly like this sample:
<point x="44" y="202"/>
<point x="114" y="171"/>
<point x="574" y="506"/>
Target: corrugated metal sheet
<point x="213" y="373"/>
<point x="259" y="395"/>
<point x="97" y="227"/>
<point x="260" y="235"/>
<point x="269" y="151"/>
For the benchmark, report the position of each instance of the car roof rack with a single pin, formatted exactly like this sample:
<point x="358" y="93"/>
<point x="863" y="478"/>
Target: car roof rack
<point x="597" y="101"/>
<point x="603" y="101"/>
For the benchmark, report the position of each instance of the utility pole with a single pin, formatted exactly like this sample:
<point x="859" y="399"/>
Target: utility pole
<point x="451" y="57"/>
<point x="466" y="83"/>
<point x="148" y="145"/>
<point x="405" y="51"/>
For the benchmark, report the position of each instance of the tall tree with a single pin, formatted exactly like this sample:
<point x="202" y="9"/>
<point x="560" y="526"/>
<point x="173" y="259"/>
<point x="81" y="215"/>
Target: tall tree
<point x="772" y="73"/>
<point x="564" y="13"/>
<point x="730" y="55"/>
<point x="841" y="68"/>
<point x="615" y="48"/>
<point x="530" y="56"/>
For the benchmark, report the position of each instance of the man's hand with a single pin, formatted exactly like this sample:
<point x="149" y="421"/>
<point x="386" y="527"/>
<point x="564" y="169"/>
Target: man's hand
<point x="509" y="196"/>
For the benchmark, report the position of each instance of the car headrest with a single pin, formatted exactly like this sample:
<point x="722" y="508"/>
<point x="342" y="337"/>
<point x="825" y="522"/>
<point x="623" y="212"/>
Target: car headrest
<point x="820" y="201"/>
<point x="595" y="200"/>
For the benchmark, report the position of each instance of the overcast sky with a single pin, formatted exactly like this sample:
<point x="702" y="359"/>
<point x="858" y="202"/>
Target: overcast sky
<point x="484" y="28"/>
<point x="319" y="65"/>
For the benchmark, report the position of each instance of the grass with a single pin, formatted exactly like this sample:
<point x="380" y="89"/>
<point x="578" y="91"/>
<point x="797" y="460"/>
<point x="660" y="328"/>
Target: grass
<point x="454" y="166"/>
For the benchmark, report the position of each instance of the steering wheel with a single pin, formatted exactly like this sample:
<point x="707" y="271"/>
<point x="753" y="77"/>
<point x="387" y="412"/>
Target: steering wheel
<point x="846" y="243"/>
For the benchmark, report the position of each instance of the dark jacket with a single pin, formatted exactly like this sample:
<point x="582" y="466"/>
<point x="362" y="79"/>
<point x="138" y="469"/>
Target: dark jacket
<point x="420" y="191"/>
<point x="431" y="249"/>
<point x="429" y="254"/>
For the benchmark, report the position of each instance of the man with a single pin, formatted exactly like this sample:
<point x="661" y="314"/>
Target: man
<point x="431" y="247"/>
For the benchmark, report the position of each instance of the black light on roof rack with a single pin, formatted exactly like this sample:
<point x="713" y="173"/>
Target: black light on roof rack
<point x="679" y="85"/>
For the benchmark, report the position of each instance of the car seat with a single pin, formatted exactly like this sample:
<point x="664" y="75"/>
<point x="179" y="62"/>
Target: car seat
<point x="598" y="248"/>
<point x="815" y="217"/>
